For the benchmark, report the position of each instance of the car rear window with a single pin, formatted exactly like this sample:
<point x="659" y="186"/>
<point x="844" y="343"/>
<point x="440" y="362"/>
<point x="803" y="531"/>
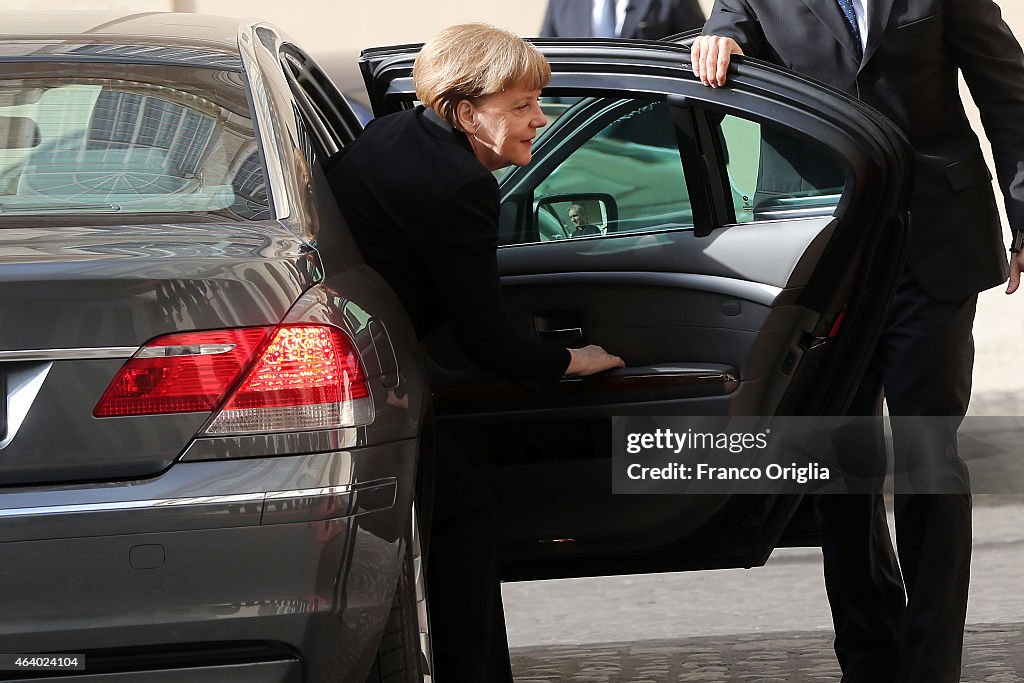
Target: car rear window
<point x="83" y="139"/>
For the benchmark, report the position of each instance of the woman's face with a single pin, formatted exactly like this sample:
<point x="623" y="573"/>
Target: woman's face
<point x="501" y="127"/>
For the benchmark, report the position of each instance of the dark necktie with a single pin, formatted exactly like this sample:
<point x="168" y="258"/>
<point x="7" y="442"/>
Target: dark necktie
<point x="851" y="20"/>
<point x="606" y="27"/>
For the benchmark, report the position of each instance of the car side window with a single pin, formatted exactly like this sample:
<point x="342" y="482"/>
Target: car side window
<point x="775" y="174"/>
<point x="625" y="177"/>
<point x="328" y="108"/>
<point x="614" y="166"/>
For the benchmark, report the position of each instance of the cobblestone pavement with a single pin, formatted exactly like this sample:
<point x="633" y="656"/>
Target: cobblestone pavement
<point x="993" y="653"/>
<point x="766" y="624"/>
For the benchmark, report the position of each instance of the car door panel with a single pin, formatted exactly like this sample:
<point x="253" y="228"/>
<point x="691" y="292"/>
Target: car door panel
<point x="779" y="254"/>
<point x="660" y="322"/>
<point x="725" y="293"/>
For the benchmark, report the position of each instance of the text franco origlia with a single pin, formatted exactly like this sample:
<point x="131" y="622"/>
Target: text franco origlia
<point x="704" y="472"/>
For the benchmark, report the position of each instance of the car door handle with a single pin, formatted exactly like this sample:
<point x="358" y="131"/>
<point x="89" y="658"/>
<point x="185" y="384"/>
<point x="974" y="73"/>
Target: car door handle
<point x="565" y="336"/>
<point x="635" y="385"/>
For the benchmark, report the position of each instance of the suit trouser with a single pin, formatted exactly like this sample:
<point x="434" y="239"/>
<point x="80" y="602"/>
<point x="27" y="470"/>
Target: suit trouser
<point x="924" y="362"/>
<point x="467" y="622"/>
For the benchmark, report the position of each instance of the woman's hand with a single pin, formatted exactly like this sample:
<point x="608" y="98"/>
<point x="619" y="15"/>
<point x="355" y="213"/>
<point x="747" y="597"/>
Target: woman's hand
<point x="592" y="359"/>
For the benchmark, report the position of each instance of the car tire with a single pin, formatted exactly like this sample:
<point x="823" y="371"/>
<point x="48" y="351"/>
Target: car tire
<point x="403" y="655"/>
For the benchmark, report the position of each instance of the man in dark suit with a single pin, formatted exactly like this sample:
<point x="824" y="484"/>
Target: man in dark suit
<point x="650" y="19"/>
<point x="582" y="227"/>
<point x="902" y="57"/>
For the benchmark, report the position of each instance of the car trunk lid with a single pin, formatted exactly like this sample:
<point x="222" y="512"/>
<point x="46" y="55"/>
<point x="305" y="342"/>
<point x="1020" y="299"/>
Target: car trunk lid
<point x="77" y="302"/>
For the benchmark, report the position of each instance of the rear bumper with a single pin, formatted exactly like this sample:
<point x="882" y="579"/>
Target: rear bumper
<point x="300" y="554"/>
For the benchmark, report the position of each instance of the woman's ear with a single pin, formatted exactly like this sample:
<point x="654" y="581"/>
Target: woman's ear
<point x="465" y="116"/>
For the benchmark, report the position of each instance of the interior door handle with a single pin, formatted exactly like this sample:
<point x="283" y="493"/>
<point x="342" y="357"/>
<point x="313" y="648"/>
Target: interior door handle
<point x="566" y="336"/>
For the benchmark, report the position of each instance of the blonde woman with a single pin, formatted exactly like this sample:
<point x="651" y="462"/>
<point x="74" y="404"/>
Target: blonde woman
<point x="420" y="198"/>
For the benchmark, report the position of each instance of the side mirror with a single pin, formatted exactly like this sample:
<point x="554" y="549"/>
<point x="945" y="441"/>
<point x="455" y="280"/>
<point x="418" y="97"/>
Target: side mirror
<point x="566" y="216"/>
<point x="18" y="132"/>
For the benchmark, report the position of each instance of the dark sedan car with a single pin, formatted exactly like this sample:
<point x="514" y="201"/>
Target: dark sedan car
<point x="211" y="407"/>
<point x="214" y="410"/>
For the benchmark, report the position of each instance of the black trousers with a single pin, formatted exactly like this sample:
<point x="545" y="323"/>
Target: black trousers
<point x="908" y="630"/>
<point x="467" y="621"/>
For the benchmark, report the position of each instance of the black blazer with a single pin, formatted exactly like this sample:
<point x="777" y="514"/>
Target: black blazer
<point x="424" y="213"/>
<point x="909" y="73"/>
<point x="650" y="19"/>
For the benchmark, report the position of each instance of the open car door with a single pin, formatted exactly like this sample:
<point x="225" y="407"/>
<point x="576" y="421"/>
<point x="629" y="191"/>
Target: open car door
<point x="738" y="250"/>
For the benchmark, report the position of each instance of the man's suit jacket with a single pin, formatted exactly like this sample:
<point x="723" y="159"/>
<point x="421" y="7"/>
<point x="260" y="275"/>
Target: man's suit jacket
<point x="650" y="19"/>
<point x="909" y="73"/>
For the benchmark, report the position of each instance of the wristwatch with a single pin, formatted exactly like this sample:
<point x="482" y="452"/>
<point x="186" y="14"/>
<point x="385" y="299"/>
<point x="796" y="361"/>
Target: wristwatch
<point x="1018" y="242"/>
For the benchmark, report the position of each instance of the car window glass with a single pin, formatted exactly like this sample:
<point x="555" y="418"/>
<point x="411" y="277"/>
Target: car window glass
<point x="776" y="174"/>
<point x="624" y="173"/>
<point x="321" y="95"/>
<point x="310" y="149"/>
<point x="625" y="177"/>
<point x="137" y="140"/>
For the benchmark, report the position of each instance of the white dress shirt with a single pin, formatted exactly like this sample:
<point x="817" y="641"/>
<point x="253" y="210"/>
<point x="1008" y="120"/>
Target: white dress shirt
<point x="861" y="7"/>
<point x="620" y="13"/>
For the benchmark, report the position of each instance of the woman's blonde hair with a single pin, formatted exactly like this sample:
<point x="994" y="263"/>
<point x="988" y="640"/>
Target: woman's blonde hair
<point x="466" y="61"/>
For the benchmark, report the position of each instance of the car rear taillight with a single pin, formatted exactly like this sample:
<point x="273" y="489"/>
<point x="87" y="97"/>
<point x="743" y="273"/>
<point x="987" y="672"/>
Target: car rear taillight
<point x="307" y="377"/>
<point x="181" y="373"/>
<point x="293" y="377"/>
